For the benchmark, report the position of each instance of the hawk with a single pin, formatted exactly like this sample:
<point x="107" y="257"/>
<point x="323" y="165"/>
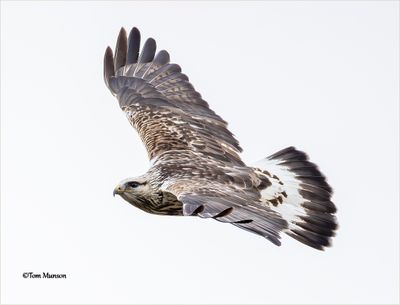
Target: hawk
<point x="196" y="169"/>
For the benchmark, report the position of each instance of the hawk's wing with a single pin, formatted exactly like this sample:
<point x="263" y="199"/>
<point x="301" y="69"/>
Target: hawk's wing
<point x="161" y="103"/>
<point x="226" y="193"/>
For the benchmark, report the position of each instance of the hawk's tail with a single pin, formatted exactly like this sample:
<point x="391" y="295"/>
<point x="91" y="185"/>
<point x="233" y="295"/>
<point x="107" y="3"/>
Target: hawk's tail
<point x="300" y="194"/>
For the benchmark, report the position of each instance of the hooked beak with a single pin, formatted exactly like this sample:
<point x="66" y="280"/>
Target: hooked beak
<point x="118" y="190"/>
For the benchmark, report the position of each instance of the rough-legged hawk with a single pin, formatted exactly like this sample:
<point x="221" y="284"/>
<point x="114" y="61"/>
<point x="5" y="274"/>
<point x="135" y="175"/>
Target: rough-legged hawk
<point x="196" y="168"/>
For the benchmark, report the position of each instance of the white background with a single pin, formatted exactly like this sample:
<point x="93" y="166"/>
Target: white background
<point x="322" y="76"/>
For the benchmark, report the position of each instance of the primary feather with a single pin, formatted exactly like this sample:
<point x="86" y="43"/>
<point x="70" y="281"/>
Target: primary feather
<point x="196" y="168"/>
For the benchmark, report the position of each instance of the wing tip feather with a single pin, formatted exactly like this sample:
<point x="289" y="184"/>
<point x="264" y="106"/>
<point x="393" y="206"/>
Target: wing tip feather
<point x="120" y="49"/>
<point x="108" y="65"/>
<point x="148" y="51"/>
<point x="133" y="46"/>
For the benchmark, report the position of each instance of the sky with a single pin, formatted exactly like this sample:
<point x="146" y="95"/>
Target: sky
<point x="320" y="75"/>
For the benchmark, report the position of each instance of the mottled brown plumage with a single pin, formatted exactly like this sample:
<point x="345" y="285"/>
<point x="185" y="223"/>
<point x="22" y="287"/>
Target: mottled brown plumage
<point x="196" y="168"/>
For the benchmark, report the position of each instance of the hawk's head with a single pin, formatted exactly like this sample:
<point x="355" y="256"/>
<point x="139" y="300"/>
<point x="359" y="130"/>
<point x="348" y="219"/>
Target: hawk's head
<point x="137" y="191"/>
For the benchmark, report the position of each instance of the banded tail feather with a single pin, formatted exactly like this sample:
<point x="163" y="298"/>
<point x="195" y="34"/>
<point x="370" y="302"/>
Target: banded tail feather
<point x="298" y="191"/>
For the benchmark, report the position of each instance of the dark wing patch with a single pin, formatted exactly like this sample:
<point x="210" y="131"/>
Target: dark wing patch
<point x="162" y="105"/>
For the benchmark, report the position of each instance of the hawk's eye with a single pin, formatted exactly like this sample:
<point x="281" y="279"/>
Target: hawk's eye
<point x="133" y="184"/>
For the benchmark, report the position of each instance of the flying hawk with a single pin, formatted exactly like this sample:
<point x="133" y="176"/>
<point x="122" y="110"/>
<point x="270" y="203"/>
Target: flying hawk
<point x="195" y="164"/>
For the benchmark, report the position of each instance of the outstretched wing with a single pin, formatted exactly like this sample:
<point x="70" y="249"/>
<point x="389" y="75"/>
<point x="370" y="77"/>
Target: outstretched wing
<point x="159" y="101"/>
<point x="228" y="204"/>
<point x="213" y="189"/>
